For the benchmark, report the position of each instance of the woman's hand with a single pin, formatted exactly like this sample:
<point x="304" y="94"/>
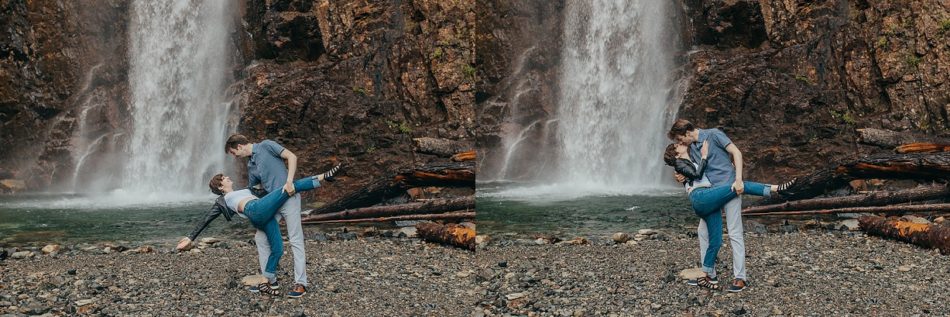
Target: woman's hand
<point x="183" y="243"/>
<point x="704" y="152"/>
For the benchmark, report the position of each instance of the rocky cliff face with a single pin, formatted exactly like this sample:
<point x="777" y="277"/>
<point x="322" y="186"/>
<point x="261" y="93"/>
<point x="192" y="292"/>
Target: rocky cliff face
<point x="62" y="69"/>
<point x="789" y="81"/>
<point x="355" y="81"/>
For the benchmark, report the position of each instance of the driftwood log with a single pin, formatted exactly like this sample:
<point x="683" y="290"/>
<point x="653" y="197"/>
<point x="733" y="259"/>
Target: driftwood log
<point x="925" y="235"/>
<point x="427" y="207"/>
<point x="381" y="189"/>
<point x="923" y="148"/>
<point x="440" y="174"/>
<point x="892" y="139"/>
<point x="464" y="156"/>
<point x="893" y="166"/>
<point x="441" y="147"/>
<point x="451" y="234"/>
<point x="456" y="215"/>
<point x="890" y="210"/>
<point x="872" y="199"/>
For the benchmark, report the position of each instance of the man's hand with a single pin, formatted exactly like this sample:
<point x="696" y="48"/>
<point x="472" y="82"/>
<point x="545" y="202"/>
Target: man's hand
<point x="739" y="187"/>
<point x="289" y="188"/>
<point x="679" y="177"/>
<point x="183" y="243"/>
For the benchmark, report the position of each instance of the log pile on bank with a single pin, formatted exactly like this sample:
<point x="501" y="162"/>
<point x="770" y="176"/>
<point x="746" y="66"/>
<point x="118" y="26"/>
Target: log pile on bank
<point x="403" y="195"/>
<point x="921" y="159"/>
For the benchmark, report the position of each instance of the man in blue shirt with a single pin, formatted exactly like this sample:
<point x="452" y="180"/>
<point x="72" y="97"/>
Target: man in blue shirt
<point x="265" y="167"/>
<point x="723" y="167"/>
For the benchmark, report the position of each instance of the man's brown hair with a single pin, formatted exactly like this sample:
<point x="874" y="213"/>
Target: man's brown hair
<point x="669" y="156"/>
<point x="233" y="141"/>
<point x="215" y="183"/>
<point x="680" y="127"/>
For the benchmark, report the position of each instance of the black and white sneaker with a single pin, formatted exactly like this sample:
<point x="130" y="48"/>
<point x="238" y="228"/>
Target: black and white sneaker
<point x="329" y="175"/>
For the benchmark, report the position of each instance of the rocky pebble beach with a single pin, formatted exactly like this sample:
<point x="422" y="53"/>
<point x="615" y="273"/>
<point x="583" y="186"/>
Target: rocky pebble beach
<point x="813" y="272"/>
<point x="349" y="276"/>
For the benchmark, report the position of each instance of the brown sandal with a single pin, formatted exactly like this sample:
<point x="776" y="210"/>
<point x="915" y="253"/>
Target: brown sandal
<point x="265" y="289"/>
<point x="706" y="282"/>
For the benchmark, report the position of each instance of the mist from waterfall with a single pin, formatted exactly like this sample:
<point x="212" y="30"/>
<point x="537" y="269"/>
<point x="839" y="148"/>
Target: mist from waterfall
<point x="179" y="58"/>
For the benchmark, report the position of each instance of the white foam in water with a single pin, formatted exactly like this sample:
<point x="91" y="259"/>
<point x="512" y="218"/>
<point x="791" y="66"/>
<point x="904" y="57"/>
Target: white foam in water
<point x="555" y="192"/>
<point x="112" y="200"/>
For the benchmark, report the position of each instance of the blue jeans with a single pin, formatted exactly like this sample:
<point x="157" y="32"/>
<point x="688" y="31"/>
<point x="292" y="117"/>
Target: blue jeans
<point x="707" y="203"/>
<point x="261" y="214"/>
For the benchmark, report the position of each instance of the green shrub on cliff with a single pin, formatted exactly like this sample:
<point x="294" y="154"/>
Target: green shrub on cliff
<point x="881" y="42"/>
<point x="469" y="70"/>
<point x="912" y="60"/>
<point x="945" y="25"/>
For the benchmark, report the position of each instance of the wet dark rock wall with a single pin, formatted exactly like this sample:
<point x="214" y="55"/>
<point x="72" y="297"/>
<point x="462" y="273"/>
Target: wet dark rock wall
<point x="56" y="56"/>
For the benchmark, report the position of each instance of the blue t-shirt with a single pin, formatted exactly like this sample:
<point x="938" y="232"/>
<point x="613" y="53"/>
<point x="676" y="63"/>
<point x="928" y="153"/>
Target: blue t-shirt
<point x="719" y="168"/>
<point x="266" y="167"/>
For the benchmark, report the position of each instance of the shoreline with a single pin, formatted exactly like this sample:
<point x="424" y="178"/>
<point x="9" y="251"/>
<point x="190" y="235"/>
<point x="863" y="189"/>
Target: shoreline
<point x="798" y="273"/>
<point x="365" y="276"/>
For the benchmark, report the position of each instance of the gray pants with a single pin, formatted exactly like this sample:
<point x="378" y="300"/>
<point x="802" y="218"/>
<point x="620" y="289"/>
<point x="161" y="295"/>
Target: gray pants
<point x="733" y="212"/>
<point x="290" y="212"/>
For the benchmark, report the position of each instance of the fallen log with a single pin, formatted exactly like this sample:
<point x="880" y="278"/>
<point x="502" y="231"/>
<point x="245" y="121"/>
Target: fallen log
<point x="440" y="174"/>
<point x="898" y="209"/>
<point x="872" y="199"/>
<point x="387" y="187"/>
<point x="923" y="148"/>
<point x="464" y="156"/>
<point x="901" y="166"/>
<point x="925" y="235"/>
<point x="452" y="234"/>
<point x="440" y="147"/>
<point x="893" y="139"/>
<point x="371" y="194"/>
<point x="457" y="215"/>
<point x="427" y="207"/>
<point x="891" y="166"/>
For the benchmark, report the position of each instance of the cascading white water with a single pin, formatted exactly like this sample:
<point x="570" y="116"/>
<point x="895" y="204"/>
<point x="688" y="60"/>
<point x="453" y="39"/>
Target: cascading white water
<point x="615" y="100"/>
<point x="179" y="59"/>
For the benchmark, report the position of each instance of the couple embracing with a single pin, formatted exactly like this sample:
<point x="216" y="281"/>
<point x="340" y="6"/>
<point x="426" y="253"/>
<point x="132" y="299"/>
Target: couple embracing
<point x="264" y="207"/>
<point x="709" y="165"/>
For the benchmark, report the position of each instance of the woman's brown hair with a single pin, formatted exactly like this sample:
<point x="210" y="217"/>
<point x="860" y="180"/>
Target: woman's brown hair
<point x="669" y="156"/>
<point x="215" y="183"/>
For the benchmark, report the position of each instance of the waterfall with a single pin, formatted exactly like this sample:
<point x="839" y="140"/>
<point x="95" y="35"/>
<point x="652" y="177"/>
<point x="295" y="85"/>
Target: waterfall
<point x="615" y="93"/>
<point x="179" y="58"/>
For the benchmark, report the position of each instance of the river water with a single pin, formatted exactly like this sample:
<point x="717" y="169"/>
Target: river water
<point x="46" y="218"/>
<point x="524" y="211"/>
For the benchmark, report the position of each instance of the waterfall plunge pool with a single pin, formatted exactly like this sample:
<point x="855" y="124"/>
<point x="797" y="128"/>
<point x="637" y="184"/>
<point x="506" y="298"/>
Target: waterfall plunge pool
<point x="38" y="219"/>
<point x="520" y="210"/>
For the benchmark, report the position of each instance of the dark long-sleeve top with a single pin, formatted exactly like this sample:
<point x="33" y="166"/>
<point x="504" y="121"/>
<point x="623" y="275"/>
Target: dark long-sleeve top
<point x="692" y="172"/>
<point x="219" y="208"/>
